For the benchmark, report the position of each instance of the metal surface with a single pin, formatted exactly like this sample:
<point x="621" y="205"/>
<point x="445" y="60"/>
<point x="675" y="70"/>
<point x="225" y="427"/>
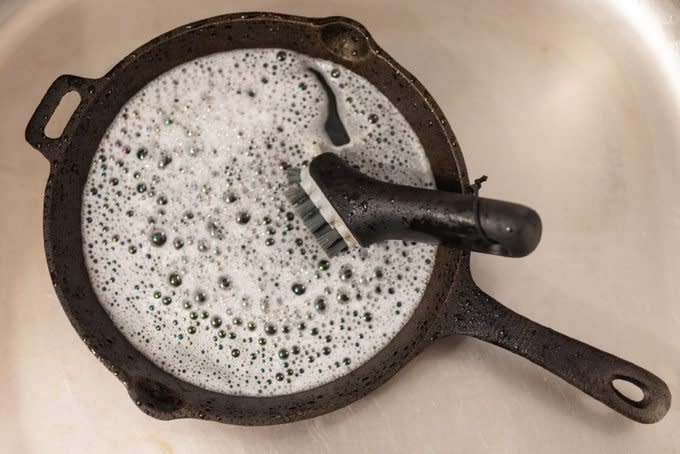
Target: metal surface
<point x="449" y="291"/>
<point x="570" y="106"/>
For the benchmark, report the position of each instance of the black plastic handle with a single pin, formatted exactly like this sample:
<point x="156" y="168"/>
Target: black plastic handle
<point x="589" y="369"/>
<point x="35" y="131"/>
<point x="375" y="211"/>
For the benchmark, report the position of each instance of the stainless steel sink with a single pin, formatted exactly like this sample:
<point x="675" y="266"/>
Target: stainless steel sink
<point x="569" y="106"/>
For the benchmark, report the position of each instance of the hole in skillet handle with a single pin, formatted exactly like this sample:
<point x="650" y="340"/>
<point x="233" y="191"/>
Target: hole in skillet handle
<point x="630" y="390"/>
<point x="35" y="130"/>
<point x="67" y="106"/>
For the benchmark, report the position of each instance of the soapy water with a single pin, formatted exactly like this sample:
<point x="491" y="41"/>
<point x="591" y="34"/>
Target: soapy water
<point x="198" y="257"/>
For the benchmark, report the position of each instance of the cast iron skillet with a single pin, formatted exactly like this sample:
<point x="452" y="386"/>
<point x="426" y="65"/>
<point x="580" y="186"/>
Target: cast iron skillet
<point x="451" y="303"/>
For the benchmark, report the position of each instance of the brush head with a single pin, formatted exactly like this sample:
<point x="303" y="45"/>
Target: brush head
<point x="311" y="209"/>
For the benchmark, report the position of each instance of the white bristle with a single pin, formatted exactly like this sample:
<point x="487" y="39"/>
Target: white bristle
<point x="315" y="222"/>
<point x="296" y="195"/>
<point x="327" y="237"/>
<point x="293" y="176"/>
<point x="307" y="209"/>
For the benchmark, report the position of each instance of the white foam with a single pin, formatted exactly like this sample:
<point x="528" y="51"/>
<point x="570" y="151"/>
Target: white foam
<point x="224" y="141"/>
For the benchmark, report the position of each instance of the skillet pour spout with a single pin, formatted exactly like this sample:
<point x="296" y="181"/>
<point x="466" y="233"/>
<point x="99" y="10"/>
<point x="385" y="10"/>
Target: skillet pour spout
<point x="450" y="304"/>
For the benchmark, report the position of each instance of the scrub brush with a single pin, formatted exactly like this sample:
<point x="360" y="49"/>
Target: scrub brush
<point x="345" y="208"/>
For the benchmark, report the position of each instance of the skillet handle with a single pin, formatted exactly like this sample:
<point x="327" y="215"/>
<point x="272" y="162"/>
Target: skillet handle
<point x="35" y="130"/>
<point x="589" y="369"/>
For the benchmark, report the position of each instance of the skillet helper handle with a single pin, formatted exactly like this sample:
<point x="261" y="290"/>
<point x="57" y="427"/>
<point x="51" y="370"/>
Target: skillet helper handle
<point x="35" y="130"/>
<point x="589" y="369"/>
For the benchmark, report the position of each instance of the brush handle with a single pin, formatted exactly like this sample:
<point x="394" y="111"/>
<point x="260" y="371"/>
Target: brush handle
<point x="375" y="211"/>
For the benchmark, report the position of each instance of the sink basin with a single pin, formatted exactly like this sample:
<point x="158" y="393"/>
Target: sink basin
<point x="571" y="107"/>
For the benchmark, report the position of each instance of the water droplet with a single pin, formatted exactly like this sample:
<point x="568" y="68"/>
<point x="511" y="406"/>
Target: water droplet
<point x="224" y="282"/>
<point x="324" y="265"/>
<point x="164" y="161"/>
<point x="141" y="153"/>
<point x="191" y="330"/>
<point x="280" y="55"/>
<point x="345" y="273"/>
<point x="335" y="73"/>
<point x="372" y="118"/>
<point x="178" y="243"/>
<point x="270" y="330"/>
<point x="215" y="230"/>
<point x="243" y="217"/>
<point x="141" y="188"/>
<point x="320" y="304"/>
<point x="283" y="353"/>
<point x="298" y="289"/>
<point x="200" y="297"/>
<point x="216" y="322"/>
<point x="175" y="280"/>
<point x="158" y="238"/>
<point x="235" y="353"/>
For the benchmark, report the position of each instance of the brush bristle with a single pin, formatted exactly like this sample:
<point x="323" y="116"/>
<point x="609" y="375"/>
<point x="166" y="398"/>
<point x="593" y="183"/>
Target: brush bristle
<point x="327" y="237"/>
<point x="293" y="175"/>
